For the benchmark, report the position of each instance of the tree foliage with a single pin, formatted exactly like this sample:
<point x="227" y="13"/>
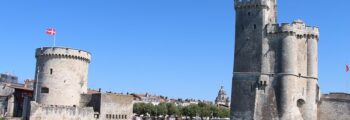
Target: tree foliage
<point x="201" y="110"/>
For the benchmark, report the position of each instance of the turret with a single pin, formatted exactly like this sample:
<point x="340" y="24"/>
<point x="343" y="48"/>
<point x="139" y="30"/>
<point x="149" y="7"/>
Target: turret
<point x="298" y="77"/>
<point x="61" y="75"/>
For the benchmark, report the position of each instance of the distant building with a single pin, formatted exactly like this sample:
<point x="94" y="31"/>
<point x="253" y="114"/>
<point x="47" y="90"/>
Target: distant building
<point x="155" y="100"/>
<point x="222" y="99"/>
<point x="8" y="78"/>
<point x="148" y="98"/>
<point x="13" y="97"/>
<point x="29" y="83"/>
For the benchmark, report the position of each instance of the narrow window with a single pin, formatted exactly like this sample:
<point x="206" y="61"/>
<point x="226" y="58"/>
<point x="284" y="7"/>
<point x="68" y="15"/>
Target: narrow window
<point x="44" y="90"/>
<point x="254" y="26"/>
<point x="51" y="71"/>
<point x="248" y="13"/>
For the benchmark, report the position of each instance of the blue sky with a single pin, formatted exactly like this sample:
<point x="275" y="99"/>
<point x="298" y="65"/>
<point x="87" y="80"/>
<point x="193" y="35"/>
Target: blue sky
<point x="177" y="48"/>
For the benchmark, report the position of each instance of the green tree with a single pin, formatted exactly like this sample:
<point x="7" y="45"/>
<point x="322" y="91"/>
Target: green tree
<point x="214" y="111"/>
<point x="137" y="108"/>
<point x="148" y="109"/>
<point x="172" y="109"/>
<point x="204" y="111"/>
<point x="224" y="113"/>
<point x="162" y="109"/>
<point x="193" y="110"/>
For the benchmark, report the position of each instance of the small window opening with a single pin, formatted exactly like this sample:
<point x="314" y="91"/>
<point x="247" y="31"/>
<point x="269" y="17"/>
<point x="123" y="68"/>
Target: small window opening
<point x="300" y="103"/>
<point x="51" y="71"/>
<point x="44" y="90"/>
<point x="249" y="13"/>
<point x="254" y="26"/>
<point x="96" y="115"/>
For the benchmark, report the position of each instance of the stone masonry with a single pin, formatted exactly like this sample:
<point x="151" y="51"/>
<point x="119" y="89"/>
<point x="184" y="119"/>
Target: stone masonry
<point x="275" y="67"/>
<point x="60" y="90"/>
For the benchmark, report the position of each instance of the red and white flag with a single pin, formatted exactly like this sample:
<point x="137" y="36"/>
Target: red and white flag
<point x="347" y="68"/>
<point x="51" y="31"/>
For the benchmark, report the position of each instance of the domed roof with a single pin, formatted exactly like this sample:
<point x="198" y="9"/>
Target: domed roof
<point x="222" y="91"/>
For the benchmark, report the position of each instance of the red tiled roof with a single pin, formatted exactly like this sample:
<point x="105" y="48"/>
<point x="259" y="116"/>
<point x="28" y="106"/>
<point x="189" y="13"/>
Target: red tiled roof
<point x="91" y="91"/>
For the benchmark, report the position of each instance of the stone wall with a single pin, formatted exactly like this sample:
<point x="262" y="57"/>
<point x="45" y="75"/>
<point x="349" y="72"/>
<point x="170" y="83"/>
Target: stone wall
<point x="334" y="106"/>
<point x="114" y="106"/>
<point x="48" y="112"/>
<point x="62" y="75"/>
<point x="109" y="106"/>
<point x="5" y="93"/>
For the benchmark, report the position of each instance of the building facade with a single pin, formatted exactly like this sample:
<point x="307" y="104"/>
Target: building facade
<point x="8" y="78"/>
<point x="222" y="99"/>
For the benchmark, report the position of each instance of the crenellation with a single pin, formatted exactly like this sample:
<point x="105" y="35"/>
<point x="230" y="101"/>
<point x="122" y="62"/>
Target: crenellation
<point x="62" y="52"/>
<point x="298" y="29"/>
<point x="248" y="4"/>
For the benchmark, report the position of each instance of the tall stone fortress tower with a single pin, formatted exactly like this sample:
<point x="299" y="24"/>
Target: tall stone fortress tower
<point x="61" y="75"/>
<point x="275" y="67"/>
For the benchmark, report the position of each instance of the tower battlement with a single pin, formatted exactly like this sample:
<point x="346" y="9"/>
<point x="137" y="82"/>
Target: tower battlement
<point x="297" y="28"/>
<point x="252" y="4"/>
<point x="63" y="52"/>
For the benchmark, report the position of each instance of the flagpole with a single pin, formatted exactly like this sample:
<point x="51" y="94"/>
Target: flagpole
<point x="346" y="83"/>
<point x="54" y="40"/>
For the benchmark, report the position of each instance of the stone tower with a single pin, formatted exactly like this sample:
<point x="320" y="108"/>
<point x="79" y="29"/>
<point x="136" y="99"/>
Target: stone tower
<point x="275" y="66"/>
<point x="61" y="75"/>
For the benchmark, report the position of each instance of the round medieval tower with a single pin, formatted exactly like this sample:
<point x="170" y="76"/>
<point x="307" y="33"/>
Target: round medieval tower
<point x="61" y="75"/>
